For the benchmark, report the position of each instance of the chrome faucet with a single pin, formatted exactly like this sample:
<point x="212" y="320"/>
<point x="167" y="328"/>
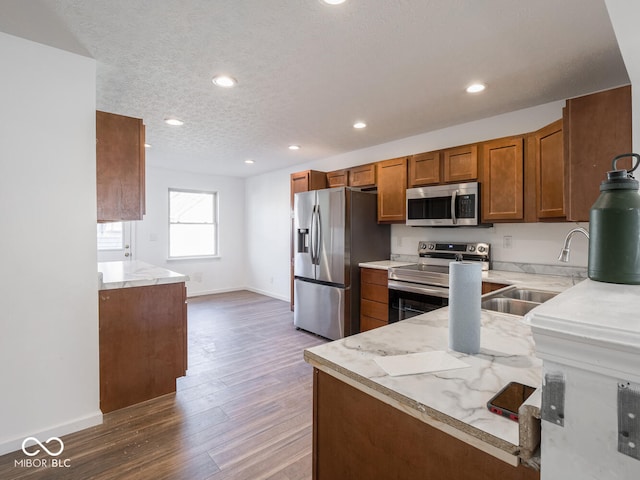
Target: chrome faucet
<point x="564" y="253"/>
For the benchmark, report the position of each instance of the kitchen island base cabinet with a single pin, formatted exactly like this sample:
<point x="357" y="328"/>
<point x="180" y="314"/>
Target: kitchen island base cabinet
<point x="356" y="436"/>
<point x="143" y="343"/>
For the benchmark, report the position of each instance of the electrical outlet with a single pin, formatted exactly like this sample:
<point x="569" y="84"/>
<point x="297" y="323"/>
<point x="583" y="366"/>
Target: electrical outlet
<point x="507" y="241"/>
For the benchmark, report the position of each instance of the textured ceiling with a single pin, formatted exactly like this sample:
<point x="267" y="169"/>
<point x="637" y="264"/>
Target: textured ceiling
<point x="307" y="71"/>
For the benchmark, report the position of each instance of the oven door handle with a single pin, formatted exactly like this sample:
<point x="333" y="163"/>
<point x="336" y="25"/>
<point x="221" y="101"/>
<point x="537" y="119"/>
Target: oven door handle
<point x="441" y="292"/>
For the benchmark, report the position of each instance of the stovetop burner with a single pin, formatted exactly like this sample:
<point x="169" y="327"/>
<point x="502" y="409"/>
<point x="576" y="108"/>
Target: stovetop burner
<point x="434" y="259"/>
<point x="425" y="267"/>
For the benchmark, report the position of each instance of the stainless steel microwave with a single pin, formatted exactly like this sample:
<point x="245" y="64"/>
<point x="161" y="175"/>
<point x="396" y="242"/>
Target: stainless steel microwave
<point x="444" y="205"/>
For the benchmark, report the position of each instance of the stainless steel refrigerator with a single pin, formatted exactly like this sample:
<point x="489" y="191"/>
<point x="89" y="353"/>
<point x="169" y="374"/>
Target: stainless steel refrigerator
<point x="334" y="230"/>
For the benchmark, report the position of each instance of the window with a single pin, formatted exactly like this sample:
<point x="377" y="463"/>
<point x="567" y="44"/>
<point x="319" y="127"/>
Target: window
<point x="110" y="236"/>
<point x="193" y="223"/>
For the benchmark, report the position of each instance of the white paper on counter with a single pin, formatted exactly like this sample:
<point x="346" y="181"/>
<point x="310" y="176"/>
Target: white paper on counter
<point x="422" y="362"/>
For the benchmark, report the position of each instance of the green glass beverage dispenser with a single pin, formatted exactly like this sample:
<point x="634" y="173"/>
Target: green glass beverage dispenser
<point x="614" y="228"/>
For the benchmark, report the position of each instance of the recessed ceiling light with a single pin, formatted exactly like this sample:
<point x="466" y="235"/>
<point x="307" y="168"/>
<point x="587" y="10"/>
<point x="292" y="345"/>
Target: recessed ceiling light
<point x="224" y="81"/>
<point x="147" y="145"/>
<point x="475" y="88"/>
<point x="249" y="161"/>
<point x="333" y="2"/>
<point x="294" y="147"/>
<point x="359" y="125"/>
<point x="173" y="121"/>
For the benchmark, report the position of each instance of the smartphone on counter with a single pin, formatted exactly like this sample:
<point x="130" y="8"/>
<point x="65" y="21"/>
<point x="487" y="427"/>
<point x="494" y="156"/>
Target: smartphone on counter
<point x="508" y="400"/>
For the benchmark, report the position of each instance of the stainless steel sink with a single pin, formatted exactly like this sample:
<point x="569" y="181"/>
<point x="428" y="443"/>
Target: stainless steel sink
<point x="538" y="296"/>
<point x="508" y="305"/>
<point x="515" y="301"/>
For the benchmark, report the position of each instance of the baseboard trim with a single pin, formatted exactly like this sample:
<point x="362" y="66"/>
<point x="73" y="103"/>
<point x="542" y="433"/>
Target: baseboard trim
<point x="201" y="293"/>
<point x="57" y="431"/>
<point x="237" y="289"/>
<point x="268" y="294"/>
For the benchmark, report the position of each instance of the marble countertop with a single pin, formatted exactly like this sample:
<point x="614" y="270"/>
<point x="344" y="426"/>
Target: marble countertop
<point x="454" y="400"/>
<point x="551" y="283"/>
<point x="384" y="264"/>
<point x="134" y="273"/>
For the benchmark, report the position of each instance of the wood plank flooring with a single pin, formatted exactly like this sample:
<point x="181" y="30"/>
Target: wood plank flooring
<point x="243" y="411"/>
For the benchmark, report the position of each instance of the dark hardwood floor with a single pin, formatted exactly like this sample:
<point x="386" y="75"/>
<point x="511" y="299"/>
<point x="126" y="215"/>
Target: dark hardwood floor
<point x="243" y="411"/>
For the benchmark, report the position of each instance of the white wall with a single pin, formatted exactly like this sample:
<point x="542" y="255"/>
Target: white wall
<point x="624" y="18"/>
<point x="214" y="275"/>
<point x="48" y="285"/>
<point x="268" y="228"/>
<point x="268" y="255"/>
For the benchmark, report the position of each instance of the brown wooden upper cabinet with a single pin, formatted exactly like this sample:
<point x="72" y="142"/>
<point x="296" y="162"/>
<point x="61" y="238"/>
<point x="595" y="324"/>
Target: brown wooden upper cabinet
<point x="424" y="169"/>
<point x="460" y="164"/>
<point x="120" y="167"/>
<point x="392" y="187"/>
<point x="363" y="175"/>
<point x="502" y="182"/>
<point x="597" y="127"/>
<point x="338" y="178"/>
<point x="360" y="176"/>
<point x="306" y="181"/>
<point x="546" y="149"/>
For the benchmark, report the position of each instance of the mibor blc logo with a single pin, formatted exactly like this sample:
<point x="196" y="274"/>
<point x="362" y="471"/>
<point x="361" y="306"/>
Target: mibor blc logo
<point x="53" y="447"/>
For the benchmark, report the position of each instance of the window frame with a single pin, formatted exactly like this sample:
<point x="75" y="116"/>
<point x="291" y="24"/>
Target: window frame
<point x="216" y="224"/>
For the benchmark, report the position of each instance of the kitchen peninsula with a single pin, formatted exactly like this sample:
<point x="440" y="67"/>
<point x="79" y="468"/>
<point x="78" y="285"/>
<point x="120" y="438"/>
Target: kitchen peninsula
<point x="143" y="332"/>
<point x="368" y="424"/>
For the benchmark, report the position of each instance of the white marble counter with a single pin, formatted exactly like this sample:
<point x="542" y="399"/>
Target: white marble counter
<point x="551" y="283"/>
<point x="133" y="273"/>
<point x="454" y="400"/>
<point x="384" y="264"/>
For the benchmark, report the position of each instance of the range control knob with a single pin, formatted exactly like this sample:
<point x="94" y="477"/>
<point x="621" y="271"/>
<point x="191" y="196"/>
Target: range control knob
<point x="432" y="246"/>
<point x="482" y="249"/>
<point x="423" y="246"/>
<point x="472" y="248"/>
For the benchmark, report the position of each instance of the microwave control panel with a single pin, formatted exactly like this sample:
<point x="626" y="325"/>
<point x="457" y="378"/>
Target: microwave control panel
<point x="466" y="206"/>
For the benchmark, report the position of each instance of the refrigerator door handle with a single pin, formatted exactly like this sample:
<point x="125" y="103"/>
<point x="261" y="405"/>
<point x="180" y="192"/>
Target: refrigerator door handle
<point x="311" y="235"/>
<point x="318" y="232"/>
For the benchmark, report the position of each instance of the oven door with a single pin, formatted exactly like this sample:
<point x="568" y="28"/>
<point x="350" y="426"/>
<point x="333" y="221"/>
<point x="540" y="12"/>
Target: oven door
<point x="408" y="299"/>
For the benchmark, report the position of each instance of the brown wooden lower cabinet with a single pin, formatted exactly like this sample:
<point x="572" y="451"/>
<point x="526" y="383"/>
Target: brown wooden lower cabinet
<point x="492" y="287"/>
<point x="374" y="299"/>
<point x="143" y="343"/>
<point x="356" y="436"/>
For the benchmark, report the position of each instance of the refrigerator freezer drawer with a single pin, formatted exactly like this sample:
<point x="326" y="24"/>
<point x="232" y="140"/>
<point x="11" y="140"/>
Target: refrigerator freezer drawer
<point x="320" y="309"/>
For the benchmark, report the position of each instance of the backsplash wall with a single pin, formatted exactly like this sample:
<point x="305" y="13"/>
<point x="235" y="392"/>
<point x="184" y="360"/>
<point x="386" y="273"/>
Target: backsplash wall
<point x="530" y="243"/>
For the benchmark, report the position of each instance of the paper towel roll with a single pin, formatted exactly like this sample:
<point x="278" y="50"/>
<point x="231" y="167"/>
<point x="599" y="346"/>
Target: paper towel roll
<point x="465" y="291"/>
